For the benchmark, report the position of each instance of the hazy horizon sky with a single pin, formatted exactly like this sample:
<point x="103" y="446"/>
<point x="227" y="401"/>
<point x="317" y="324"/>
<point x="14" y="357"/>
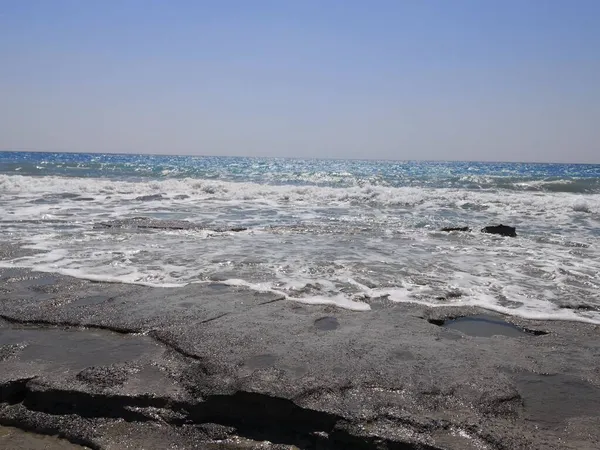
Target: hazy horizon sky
<point x="416" y="79"/>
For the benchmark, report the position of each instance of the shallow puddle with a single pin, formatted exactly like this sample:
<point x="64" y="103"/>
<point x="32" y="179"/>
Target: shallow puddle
<point x="327" y="323"/>
<point x="261" y="361"/>
<point x="74" y="349"/>
<point x="550" y="399"/>
<point x="484" y="326"/>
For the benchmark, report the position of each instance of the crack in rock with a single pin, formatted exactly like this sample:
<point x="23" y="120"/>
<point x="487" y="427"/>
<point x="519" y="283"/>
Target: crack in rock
<point x="252" y="415"/>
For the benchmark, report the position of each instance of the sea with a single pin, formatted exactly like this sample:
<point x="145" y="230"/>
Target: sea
<point x="348" y="233"/>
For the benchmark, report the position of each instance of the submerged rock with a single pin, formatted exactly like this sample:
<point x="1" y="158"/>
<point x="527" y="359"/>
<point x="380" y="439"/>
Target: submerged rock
<point x="148" y="198"/>
<point x="448" y="229"/>
<point x="146" y="222"/>
<point x="502" y="230"/>
<point x="580" y="307"/>
<point x="232" y="229"/>
<point x="161" y="224"/>
<point x="482" y="325"/>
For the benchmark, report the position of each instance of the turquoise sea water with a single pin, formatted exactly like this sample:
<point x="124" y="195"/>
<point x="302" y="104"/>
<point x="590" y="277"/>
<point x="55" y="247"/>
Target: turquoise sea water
<point x="584" y="178"/>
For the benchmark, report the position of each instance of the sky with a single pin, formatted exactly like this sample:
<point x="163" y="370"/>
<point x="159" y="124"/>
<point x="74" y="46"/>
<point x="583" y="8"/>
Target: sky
<point x="486" y="80"/>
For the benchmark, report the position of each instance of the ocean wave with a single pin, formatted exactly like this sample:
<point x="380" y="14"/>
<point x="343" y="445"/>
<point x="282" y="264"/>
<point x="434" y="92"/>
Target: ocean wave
<point x="60" y="190"/>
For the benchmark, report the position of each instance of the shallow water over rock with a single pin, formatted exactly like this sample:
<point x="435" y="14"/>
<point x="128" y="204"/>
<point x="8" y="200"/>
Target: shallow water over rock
<point x="57" y="349"/>
<point x="484" y="326"/>
<point x="327" y="323"/>
<point x="16" y="439"/>
<point x="553" y="398"/>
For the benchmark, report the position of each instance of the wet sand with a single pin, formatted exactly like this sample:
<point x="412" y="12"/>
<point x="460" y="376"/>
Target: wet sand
<point x="116" y="366"/>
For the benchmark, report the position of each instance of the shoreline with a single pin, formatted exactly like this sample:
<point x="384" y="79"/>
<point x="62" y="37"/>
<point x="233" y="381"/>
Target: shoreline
<point x="218" y="366"/>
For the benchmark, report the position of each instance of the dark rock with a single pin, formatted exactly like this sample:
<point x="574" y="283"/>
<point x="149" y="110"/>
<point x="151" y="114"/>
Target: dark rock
<point x="141" y="223"/>
<point x="232" y="229"/>
<point x="448" y="229"/>
<point x="450" y="295"/>
<point x="146" y="222"/>
<point x="502" y="230"/>
<point x="580" y="307"/>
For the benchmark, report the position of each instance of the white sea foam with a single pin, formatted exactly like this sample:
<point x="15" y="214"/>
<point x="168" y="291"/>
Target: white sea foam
<point x="319" y="245"/>
<point x="581" y="206"/>
<point x="337" y="300"/>
<point x="108" y="191"/>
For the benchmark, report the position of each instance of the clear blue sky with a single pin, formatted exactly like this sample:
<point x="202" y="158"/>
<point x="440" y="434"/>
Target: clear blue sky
<point x="447" y="79"/>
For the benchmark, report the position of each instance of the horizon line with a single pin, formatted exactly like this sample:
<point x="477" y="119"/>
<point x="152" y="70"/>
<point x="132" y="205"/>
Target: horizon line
<point x="125" y="153"/>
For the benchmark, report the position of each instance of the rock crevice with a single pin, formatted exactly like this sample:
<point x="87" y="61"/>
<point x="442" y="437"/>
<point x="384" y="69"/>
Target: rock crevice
<point x="251" y="415"/>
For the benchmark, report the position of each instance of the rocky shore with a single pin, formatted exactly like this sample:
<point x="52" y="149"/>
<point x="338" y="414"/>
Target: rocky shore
<point x="112" y="366"/>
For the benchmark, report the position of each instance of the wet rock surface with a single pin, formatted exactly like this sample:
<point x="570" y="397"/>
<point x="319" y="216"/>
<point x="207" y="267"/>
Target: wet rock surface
<point x="449" y="229"/>
<point x="112" y="366"/>
<point x="141" y="223"/>
<point x="482" y="325"/>
<point x="16" y="439"/>
<point x="502" y="230"/>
